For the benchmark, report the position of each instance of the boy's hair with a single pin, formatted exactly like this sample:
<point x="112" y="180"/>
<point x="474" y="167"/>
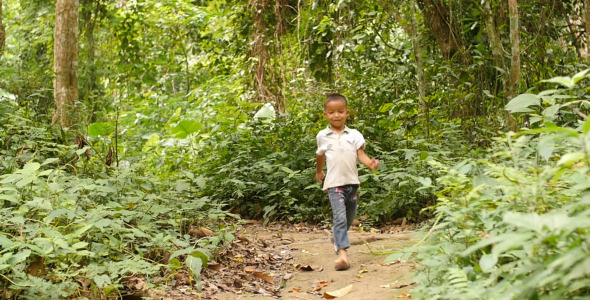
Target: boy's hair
<point x="335" y="97"/>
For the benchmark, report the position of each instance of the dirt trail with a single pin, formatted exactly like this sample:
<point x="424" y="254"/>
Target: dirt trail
<point x="370" y="278"/>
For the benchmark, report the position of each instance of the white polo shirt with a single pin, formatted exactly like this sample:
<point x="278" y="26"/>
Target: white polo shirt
<point x="341" y="155"/>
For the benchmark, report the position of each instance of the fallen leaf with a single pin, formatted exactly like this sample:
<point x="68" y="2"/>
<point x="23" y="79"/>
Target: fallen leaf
<point x="338" y="293"/>
<point x="264" y="277"/>
<point x="395" y="262"/>
<point x="249" y="269"/>
<point x="407" y="296"/>
<point x="309" y="268"/>
<point x="395" y="285"/>
<point x="319" y="285"/>
<point x="295" y="290"/>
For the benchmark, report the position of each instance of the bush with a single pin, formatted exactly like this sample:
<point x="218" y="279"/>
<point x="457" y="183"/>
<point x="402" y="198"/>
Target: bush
<point x="516" y="224"/>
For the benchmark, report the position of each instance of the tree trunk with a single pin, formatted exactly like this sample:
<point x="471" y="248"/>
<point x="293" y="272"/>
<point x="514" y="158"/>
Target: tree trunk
<point x="514" y="75"/>
<point x="2" y="33"/>
<point x="438" y="19"/>
<point x="493" y="37"/>
<point x="511" y="87"/>
<point x="587" y="21"/>
<point x="419" y="67"/>
<point x="510" y="75"/>
<point x="65" y="63"/>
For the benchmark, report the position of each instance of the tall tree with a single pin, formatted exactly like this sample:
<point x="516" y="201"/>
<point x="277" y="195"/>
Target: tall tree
<point x="437" y="18"/>
<point x="65" y="64"/>
<point x="2" y="32"/>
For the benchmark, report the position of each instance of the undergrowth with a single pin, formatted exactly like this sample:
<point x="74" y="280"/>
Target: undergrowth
<point x="72" y="226"/>
<point x="516" y="223"/>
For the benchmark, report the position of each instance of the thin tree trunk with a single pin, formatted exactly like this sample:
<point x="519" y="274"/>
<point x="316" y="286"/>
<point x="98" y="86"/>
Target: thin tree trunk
<point x="419" y="67"/>
<point x="2" y="33"/>
<point x="412" y="31"/>
<point x="493" y="36"/>
<point x="587" y="20"/>
<point x="65" y="63"/>
<point x="514" y="76"/>
<point x="510" y="75"/>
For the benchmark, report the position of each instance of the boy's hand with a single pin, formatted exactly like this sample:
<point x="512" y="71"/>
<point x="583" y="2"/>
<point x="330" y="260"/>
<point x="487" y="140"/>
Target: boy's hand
<point x="319" y="176"/>
<point x="374" y="164"/>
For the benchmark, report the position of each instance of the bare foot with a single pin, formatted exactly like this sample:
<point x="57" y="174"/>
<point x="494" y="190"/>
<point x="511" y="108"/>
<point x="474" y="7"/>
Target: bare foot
<point x="341" y="263"/>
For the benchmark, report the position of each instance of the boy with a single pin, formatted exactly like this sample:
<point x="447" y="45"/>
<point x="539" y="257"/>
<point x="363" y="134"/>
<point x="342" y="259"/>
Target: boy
<point x="341" y="146"/>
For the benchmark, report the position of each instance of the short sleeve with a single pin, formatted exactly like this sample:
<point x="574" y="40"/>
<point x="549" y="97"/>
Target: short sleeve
<point x="359" y="141"/>
<point x="322" y="147"/>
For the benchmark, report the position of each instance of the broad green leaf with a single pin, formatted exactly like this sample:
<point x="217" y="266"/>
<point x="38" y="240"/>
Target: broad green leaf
<point x="49" y="161"/>
<point x="102" y="223"/>
<point x="564" y="81"/>
<point x="82" y="230"/>
<point x="204" y="254"/>
<point x="586" y="127"/>
<point x="9" y="198"/>
<point x="570" y="158"/>
<point x="186" y="127"/>
<point x="201" y="181"/>
<point x="20" y="256"/>
<point x="25" y="181"/>
<point x="182" y="252"/>
<point x="580" y="75"/>
<point x="101" y="129"/>
<point x="266" y="112"/>
<point x="551" y="112"/>
<point x="54" y="214"/>
<point x="102" y="281"/>
<point x="487" y="262"/>
<point x="521" y="103"/>
<point x="546" y="147"/>
<point x="82" y="151"/>
<point x="79" y="245"/>
<point x="195" y="265"/>
<point x="175" y="264"/>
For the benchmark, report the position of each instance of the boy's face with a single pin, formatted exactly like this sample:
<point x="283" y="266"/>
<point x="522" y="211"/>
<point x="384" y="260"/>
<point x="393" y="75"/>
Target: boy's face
<point x="336" y="112"/>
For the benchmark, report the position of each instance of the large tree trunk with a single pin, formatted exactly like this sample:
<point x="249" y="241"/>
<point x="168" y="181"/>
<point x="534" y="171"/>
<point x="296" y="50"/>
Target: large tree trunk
<point x="65" y="63"/>
<point x="438" y="19"/>
<point x="2" y="33"/>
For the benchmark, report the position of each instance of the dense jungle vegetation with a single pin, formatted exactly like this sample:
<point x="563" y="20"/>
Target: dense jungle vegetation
<point x="125" y="124"/>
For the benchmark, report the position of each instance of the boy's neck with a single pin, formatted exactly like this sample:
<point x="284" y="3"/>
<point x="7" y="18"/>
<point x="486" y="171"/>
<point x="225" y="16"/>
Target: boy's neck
<point x="338" y="130"/>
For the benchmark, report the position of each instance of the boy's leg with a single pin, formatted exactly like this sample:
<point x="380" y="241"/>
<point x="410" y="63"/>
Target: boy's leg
<point x="351" y="202"/>
<point x="339" y="217"/>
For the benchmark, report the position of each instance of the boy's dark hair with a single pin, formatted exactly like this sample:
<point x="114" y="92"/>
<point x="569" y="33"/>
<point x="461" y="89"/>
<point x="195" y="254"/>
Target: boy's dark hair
<point x="335" y="97"/>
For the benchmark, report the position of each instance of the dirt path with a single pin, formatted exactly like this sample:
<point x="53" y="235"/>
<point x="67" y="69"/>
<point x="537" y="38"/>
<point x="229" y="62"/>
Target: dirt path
<point x="309" y="271"/>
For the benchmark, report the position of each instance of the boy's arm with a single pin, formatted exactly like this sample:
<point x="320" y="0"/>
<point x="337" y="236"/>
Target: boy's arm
<point x="371" y="163"/>
<point x="319" y="168"/>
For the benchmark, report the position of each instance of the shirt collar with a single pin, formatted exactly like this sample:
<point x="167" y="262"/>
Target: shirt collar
<point x="330" y="131"/>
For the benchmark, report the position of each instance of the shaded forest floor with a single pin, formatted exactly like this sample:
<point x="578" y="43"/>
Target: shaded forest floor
<point x="297" y="262"/>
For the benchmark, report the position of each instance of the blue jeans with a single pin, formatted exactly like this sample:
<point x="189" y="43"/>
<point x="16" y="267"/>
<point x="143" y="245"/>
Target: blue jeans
<point x="343" y="200"/>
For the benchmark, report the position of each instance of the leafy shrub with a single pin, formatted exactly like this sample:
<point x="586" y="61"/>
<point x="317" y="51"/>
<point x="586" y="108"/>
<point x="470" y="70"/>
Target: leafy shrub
<point x="515" y="224"/>
<point x="67" y="233"/>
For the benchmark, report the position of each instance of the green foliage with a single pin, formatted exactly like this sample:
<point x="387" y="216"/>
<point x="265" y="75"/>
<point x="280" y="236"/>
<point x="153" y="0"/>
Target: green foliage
<point x="514" y="226"/>
<point x="61" y="229"/>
